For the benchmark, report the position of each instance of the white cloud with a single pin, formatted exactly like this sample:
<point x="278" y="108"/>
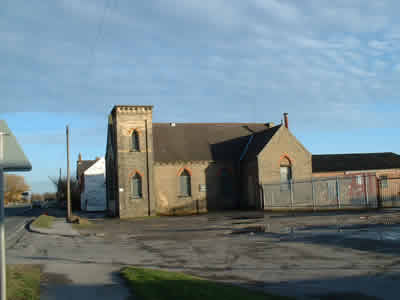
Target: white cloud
<point x="379" y="45"/>
<point x="159" y="51"/>
<point x="331" y="64"/>
<point x="283" y="10"/>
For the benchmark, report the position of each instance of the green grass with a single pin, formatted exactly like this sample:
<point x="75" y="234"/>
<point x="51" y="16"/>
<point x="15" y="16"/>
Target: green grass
<point x="23" y="282"/>
<point x="43" y="221"/>
<point x="149" y="284"/>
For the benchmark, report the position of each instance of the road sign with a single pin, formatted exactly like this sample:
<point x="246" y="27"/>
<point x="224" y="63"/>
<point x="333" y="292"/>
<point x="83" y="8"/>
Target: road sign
<point x="12" y="158"/>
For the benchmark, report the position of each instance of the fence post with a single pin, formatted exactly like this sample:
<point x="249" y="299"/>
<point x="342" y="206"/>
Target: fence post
<point x="366" y="190"/>
<point x="272" y="198"/>
<point x="379" y="203"/>
<point x="312" y="194"/>
<point x="337" y="191"/>
<point x="291" y="193"/>
<point x="263" y="192"/>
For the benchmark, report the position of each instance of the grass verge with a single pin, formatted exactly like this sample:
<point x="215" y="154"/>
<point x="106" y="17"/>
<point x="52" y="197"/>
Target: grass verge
<point x="152" y="284"/>
<point x="43" y="221"/>
<point x="23" y="282"/>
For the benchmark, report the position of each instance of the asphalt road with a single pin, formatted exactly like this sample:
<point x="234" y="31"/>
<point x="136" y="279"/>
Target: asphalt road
<point x="16" y="219"/>
<point x="344" y="256"/>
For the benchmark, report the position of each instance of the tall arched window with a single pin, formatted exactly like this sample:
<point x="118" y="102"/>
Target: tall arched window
<point x="135" y="141"/>
<point x="226" y="182"/>
<point x="185" y="183"/>
<point x="137" y="186"/>
<point x="286" y="173"/>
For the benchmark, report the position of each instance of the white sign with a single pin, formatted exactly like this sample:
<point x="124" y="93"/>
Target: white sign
<point x="202" y="187"/>
<point x="12" y="157"/>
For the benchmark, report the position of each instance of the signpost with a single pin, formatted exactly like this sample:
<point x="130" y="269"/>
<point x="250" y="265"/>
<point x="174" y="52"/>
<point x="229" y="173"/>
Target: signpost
<point x="13" y="159"/>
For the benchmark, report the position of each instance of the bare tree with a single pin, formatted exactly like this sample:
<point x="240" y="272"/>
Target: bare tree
<point x="61" y="187"/>
<point x="49" y="196"/>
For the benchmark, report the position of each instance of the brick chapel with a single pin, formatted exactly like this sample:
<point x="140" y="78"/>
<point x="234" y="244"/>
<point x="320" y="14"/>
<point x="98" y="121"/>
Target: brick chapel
<point x="173" y="168"/>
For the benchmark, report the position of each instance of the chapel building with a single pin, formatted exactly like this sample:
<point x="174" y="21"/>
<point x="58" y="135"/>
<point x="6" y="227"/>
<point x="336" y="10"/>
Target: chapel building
<point x="174" y="168"/>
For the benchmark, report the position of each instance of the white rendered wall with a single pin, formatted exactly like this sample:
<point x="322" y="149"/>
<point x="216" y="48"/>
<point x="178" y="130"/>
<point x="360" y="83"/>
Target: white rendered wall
<point x="93" y="197"/>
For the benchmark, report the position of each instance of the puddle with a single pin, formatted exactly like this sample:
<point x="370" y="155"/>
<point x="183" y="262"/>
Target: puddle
<point x="243" y="222"/>
<point x="359" y="232"/>
<point x="386" y="234"/>
<point x="245" y="217"/>
<point x="249" y="229"/>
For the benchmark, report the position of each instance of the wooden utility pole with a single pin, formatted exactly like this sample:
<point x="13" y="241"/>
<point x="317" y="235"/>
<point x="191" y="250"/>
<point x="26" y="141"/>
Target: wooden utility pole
<point x="68" y="181"/>
<point x="3" y="285"/>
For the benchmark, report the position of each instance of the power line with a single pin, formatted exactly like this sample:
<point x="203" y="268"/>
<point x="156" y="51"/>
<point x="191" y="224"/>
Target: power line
<point x="97" y="39"/>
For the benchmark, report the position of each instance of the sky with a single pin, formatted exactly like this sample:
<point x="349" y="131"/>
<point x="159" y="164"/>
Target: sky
<point x="334" y="66"/>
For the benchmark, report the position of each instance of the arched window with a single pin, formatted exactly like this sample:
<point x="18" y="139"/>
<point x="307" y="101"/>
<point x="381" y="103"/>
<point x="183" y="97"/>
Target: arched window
<point x="286" y="174"/>
<point x="185" y="183"/>
<point x="135" y="141"/>
<point x="226" y="182"/>
<point x="137" y="186"/>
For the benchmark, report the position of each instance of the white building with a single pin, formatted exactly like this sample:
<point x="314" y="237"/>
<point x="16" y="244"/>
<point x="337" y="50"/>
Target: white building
<point x="93" y="187"/>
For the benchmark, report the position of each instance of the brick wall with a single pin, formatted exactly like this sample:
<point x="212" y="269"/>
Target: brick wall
<point x="284" y="144"/>
<point x="249" y="184"/>
<point x="131" y="162"/>
<point x="167" y="187"/>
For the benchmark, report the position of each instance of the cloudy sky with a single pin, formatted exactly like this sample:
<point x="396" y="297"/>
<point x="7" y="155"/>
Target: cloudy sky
<point x="332" y="65"/>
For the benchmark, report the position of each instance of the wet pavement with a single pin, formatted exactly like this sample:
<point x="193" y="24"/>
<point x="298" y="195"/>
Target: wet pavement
<point x="323" y="255"/>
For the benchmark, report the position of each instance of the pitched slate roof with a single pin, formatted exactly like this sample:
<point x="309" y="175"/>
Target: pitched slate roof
<point x="205" y="141"/>
<point x="355" y="162"/>
<point x="83" y="165"/>
<point x="259" y="141"/>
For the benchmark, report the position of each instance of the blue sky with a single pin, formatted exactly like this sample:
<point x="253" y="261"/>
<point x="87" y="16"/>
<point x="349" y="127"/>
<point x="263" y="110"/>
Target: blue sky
<point x="332" y="65"/>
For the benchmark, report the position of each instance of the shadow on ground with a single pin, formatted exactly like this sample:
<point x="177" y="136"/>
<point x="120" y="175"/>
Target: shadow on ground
<point x="60" y="287"/>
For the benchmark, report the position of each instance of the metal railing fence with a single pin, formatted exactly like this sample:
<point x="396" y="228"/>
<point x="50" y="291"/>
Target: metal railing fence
<point x="359" y="191"/>
<point x="389" y="191"/>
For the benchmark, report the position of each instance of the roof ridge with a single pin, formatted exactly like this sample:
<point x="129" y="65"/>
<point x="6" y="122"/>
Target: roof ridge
<point x="210" y="123"/>
<point x="359" y="153"/>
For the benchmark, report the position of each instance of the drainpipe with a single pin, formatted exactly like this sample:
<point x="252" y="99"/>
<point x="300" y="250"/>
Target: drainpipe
<point x="147" y="170"/>
<point x="240" y="185"/>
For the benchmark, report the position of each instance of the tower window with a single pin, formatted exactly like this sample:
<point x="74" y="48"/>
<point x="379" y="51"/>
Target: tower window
<point x="137" y="186"/>
<point x="135" y="141"/>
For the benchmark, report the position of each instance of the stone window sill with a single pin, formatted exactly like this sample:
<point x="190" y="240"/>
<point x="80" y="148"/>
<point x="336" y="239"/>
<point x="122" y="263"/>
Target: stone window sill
<point x="184" y="196"/>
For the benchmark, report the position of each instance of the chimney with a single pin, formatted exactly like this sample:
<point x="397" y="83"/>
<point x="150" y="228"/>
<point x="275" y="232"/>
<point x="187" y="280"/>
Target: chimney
<point x="80" y="157"/>
<point x="286" y="120"/>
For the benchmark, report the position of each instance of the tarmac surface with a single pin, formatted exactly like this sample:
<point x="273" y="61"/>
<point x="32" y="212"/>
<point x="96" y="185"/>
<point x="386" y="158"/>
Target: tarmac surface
<point x="310" y="256"/>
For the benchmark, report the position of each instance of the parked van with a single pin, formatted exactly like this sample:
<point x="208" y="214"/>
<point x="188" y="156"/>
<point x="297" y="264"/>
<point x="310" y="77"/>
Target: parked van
<point x="26" y="196"/>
